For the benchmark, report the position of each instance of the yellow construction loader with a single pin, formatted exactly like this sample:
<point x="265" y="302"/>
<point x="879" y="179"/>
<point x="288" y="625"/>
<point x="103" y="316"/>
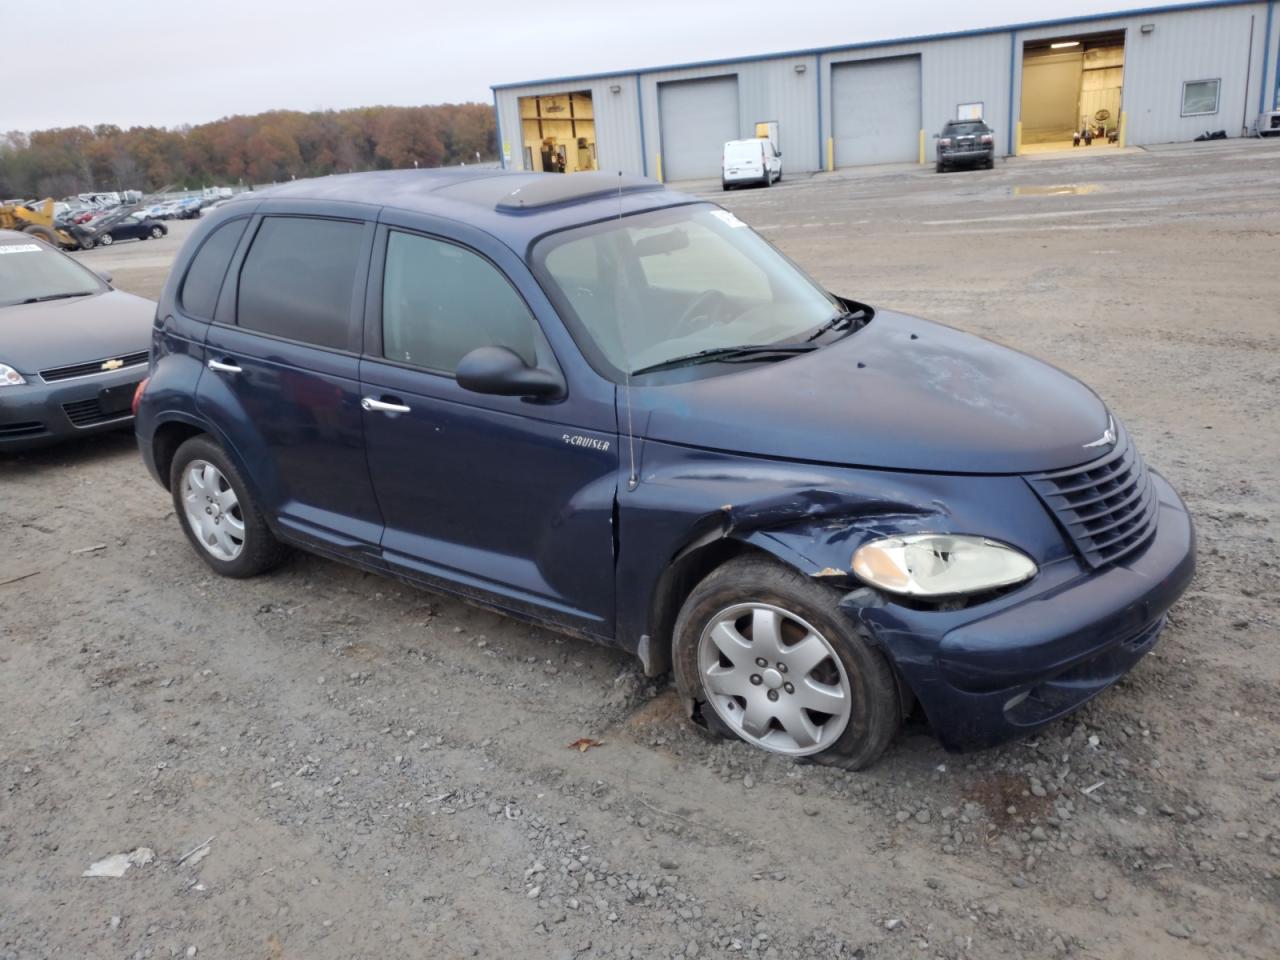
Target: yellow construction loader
<point x="37" y="219"/>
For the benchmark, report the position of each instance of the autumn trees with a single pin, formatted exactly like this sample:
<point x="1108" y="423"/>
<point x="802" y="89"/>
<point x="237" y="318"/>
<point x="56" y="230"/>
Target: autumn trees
<point x="264" y="148"/>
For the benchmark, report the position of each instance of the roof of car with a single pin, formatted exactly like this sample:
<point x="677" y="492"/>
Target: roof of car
<point x="15" y="236"/>
<point x="516" y="206"/>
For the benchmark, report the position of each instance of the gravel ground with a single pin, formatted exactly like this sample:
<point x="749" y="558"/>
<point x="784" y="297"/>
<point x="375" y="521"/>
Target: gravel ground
<point x="384" y="772"/>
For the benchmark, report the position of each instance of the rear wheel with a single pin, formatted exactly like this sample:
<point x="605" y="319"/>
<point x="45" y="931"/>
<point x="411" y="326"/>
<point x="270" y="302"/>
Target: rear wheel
<point x="938" y="167"/>
<point x="217" y="513"/>
<point x="773" y="661"/>
<point x="157" y="232"/>
<point x="41" y="232"/>
<point x="991" y="163"/>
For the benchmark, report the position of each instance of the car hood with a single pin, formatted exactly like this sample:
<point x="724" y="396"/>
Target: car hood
<point x="902" y="393"/>
<point x="56" y="333"/>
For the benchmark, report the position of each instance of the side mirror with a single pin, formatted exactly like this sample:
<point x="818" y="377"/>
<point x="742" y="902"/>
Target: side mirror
<point x="501" y="372"/>
<point x="105" y="277"/>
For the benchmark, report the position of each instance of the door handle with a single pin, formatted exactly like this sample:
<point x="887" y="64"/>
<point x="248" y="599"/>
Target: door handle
<point x="382" y="406"/>
<point x="219" y="367"/>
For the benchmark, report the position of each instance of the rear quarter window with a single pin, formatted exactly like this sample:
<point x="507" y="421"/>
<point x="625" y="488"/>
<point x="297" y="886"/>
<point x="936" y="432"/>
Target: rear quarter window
<point x="200" y="287"/>
<point x="297" y="280"/>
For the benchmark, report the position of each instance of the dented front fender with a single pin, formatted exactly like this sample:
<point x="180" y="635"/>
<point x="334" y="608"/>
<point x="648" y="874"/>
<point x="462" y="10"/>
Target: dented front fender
<point x="812" y="517"/>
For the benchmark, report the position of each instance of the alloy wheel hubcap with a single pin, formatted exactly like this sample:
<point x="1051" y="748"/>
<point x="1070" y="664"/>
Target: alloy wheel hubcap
<point x="213" y="510"/>
<point x="774" y="679"/>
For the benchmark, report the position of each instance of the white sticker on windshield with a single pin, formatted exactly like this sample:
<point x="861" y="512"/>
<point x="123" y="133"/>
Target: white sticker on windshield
<point x="728" y="218"/>
<point x="20" y="248"/>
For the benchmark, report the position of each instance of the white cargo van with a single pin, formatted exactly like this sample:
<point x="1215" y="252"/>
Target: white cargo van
<point x="750" y="161"/>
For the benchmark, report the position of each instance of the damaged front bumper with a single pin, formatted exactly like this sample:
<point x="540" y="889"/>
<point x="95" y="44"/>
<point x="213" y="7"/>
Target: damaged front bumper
<point x="1001" y="669"/>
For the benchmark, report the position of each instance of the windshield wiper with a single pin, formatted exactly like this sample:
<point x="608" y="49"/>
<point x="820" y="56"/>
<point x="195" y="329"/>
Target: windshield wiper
<point x="56" y="296"/>
<point x="728" y="355"/>
<point x="847" y="318"/>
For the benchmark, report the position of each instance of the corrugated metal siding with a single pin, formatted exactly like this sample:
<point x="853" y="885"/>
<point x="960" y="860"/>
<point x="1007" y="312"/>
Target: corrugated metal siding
<point x="698" y="118"/>
<point x="1190" y="44"/>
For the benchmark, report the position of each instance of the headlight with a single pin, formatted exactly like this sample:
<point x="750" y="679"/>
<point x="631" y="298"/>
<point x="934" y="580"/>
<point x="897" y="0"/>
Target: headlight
<point x="938" y="565"/>
<point x="10" y="377"/>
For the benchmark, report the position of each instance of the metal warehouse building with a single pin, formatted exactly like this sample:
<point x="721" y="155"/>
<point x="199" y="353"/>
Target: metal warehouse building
<point x="1156" y="75"/>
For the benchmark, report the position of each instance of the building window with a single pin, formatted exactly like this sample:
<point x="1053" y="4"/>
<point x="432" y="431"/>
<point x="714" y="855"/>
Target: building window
<point x="1200" y="97"/>
<point x="969" y="111"/>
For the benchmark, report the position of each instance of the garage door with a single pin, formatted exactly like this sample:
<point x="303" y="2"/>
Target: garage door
<point x="875" y="111"/>
<point x="697" y="117"/>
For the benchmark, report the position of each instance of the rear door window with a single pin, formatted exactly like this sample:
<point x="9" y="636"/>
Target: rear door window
<point x="204" y="278"/>
<point x="298" y="277"/>
<point x="440" y="301"/>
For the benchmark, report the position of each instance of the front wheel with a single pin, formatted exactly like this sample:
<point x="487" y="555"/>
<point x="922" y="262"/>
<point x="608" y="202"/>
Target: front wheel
<point x="773" y="661"/>
<point x="157" y="233"/>
<point x="106" y="240"/>
<point x="217" y="513"/>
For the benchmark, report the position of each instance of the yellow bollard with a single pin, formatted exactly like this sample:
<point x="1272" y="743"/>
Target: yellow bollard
<point x="1124" y="124"/>
<point x="831" y="154"/>
<point x="658" y="166"/>
<point x="921" y="146"/>
<point x="1017" y="142"/>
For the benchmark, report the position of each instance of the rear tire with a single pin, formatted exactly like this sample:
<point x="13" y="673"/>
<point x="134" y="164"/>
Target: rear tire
<point x="41" y="232"/>
<point x="939" y="167"/>
<point x="157" y="233"/>
<point x="818" y="652"/>
<point x="258" y="549"/>
<point x="991" y="163"/>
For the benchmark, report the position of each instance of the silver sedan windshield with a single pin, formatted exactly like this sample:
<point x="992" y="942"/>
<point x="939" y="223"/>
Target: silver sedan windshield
<point x="656" y="286"/>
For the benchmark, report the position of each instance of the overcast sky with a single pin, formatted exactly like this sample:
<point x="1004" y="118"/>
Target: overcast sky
<point x="172" y="62"/>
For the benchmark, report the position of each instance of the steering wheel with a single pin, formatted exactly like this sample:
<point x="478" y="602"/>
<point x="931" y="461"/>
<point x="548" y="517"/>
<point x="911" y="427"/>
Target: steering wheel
<point x="706" y="306"/>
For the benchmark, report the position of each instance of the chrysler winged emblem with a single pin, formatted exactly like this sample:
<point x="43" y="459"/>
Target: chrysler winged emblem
<point x="1107" y="438"/>
<point x="109" y="365"/>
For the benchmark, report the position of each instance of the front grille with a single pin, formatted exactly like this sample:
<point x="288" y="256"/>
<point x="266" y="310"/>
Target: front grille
<point x="25" y="429"/>
<point x="55" y="374"/>
<point x="1107" y="506"/>
<point x="86" y="413"/>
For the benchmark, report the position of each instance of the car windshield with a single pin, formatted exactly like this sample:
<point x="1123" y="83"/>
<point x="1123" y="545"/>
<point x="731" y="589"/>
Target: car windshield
<point x="965" y="129"/>
<point x="32" y="272"/>
<point x="640" y="291"/>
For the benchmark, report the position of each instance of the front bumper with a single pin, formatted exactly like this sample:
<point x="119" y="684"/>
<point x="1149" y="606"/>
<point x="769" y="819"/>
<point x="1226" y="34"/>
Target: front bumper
<point x="1007" y="667"/>
<point x="966" y="156"/>
<point x="36" y="413"/>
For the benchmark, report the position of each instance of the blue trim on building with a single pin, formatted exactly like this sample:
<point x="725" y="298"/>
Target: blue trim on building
<point x="1266" y="63"/>
<point x="924" y="38"/>
<point x="497" y="119"/>
<point x="817" y="72"/>
<point x="1013" y="63"/>
<point x="644" y="151"/>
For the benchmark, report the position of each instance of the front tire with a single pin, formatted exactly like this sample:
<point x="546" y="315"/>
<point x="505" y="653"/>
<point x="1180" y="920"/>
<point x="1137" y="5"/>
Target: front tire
<point x="217" y="514"/>
<point x="772" y="660"/>
<point x="106" y="240"/>
<point x="157" y="233"/>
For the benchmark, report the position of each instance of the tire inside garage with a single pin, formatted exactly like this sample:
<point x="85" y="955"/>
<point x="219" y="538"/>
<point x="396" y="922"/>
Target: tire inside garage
<point x="875" y="111"/>
<point x="696" y="117"/>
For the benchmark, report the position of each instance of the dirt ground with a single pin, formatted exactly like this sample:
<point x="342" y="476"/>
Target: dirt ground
<point x="384" y="772"/>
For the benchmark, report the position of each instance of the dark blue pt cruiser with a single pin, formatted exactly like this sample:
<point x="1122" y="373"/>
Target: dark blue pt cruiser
<point x="616" y="411"/>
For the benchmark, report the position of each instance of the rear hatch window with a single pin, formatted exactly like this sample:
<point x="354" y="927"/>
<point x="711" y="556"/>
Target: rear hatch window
<point x="743" y="151"/>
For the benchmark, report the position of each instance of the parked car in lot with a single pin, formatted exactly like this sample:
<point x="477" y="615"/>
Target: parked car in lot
<point x="616" y="411"/>
<point x="136" y="226"/>
<point x="967" y="143"/>
<point x="750" y="161"/>
<point x="72" y="349"/>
